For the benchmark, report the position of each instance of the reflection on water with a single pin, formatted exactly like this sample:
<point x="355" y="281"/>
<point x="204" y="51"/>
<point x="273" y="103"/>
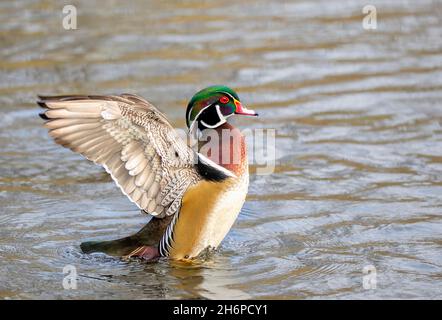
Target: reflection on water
<point x="359" y="145"/>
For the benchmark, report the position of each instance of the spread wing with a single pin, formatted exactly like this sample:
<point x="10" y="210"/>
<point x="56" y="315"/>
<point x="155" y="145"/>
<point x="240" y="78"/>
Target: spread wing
<point x="132" y="140"/>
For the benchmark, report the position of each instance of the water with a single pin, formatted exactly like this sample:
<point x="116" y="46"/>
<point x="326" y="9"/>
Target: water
<point x="359" y="145"/>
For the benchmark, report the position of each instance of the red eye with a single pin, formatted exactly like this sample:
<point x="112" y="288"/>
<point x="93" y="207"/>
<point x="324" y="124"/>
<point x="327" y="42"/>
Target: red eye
<point x="224" y="99"/>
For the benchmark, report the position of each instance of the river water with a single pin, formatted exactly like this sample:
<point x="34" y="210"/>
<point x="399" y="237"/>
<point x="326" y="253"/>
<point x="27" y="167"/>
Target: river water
<point x="358" y="177"/>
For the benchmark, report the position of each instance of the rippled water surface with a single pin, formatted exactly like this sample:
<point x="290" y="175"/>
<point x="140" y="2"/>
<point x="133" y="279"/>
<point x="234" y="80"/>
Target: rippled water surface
<point x="358" y="180"/>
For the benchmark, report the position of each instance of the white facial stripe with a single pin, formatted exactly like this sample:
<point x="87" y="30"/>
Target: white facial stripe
<point x="221" y="121"/>
<point x="196" y="117"/>
<point x="193" y="123"/>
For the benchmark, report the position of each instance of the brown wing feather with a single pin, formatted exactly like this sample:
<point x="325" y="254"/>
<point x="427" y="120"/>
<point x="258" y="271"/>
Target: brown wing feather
<point x="132" y="140"/>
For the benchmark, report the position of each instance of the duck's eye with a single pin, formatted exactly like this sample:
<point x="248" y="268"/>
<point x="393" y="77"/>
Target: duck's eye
<point x="224" y="99"/>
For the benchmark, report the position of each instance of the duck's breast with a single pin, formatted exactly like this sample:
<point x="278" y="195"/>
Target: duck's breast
<point x="208" y="211"/>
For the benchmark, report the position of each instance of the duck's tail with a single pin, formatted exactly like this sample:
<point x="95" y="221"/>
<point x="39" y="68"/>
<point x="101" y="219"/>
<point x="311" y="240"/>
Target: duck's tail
<point x="149" y="235"/>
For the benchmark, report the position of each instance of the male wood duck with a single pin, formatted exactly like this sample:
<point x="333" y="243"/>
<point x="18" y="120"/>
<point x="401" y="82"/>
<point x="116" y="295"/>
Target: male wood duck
<point x="194" y="198"/>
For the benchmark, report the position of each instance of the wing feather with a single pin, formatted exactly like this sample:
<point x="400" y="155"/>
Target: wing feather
<point x="132" y="140"/>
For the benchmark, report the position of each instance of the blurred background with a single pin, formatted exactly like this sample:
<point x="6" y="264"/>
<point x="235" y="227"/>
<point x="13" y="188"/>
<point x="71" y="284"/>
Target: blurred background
<point x="358" y="181"/>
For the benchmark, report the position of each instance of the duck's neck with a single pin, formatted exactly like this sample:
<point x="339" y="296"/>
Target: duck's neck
<point x="225" y="145"/>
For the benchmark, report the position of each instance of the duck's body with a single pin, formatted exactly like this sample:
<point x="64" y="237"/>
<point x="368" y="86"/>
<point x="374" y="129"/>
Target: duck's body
<point x="197" y="195"/>
<point x="210" y="208"/>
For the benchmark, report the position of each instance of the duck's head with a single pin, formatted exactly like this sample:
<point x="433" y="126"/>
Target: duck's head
<point x="210" y="108"/>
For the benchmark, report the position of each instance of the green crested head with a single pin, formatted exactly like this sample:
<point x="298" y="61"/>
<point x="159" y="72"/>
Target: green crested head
<point x="211" y="107"/>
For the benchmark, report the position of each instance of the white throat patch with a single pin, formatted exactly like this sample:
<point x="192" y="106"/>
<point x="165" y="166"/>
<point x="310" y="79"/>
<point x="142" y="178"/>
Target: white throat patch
<point x="221" y="121"/>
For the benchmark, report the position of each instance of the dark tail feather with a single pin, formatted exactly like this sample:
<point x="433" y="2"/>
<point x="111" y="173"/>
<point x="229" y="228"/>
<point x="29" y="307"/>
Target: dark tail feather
<point x="43" y="116"/>
<point x="119" y="247"/>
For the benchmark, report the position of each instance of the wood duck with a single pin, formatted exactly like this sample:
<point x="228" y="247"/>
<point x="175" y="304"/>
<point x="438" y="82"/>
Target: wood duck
<point x="193" y="196"/>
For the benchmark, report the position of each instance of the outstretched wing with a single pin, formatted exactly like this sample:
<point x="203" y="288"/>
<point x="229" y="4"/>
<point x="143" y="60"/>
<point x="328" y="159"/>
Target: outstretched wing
<point x="132" y="140"/>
